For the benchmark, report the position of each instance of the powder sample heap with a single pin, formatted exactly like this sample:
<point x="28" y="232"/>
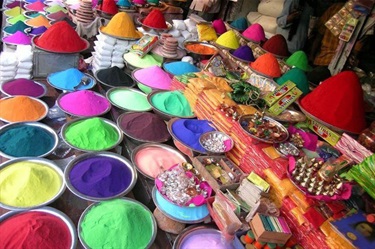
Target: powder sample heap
<point x="13" y="11"/>
<point x="244" y="53"/>
<point x="267" y="64"/>
<point x="38" y="31"/>
<point x="29" y="229"/>
<point x="206" y="239"/>
<point x="38" y="22"/>
<point x="21" y="108"/>
<point x="200" y="49"/>
<point x="180" y="67"/>
<point x="117" y="224"/>
<point x="240" y="24"/>
<point x="18" y="26"/>
<point x="298" y="77"/>
<point x="36" y="6"/>
<point x="61" y="38"/>
<point x="219" y="26"/>
<point x="299" y="60"/>
<point x="91" y="134"/>
<point x="188" y="131"/>
<point x="277" y="45"/>
<point x="145" y="126"/>
<point x="173" y="103"/>
<point x="28" y="184"/>
<point x="114" y="76"/>
<point x="26" y="141"/>
<point x="16" y="19"/>
<point x="228" y="40"/>
<point x="338" y="101"/>
<point x="23" y="87"/>
<point x="109" y="7"/>
<point x="68" y="79"/>
<point x="148" y="60"/>
<point x="100" y="176"/>
<point x="155" y="19"/>
<point x="121" y="25"/>
<point x="18" y="38"/>
<point x="130" y="99"/>
<point x="154" y="77"/>
<point x="84" y="103"/>
<point x="57" y="15"/>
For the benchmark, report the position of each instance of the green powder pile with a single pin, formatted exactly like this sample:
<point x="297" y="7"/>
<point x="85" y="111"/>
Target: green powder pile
<point x="147" y="61"/>
<point x="91" y="134"/>
<point x="173" y="103"/>
<point x="117" y="224"/>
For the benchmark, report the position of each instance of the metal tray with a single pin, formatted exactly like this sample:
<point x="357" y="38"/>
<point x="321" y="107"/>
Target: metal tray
<point x="108" y="95"/>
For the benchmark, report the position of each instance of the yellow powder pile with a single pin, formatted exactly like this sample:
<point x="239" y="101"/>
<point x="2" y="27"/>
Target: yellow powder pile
<point x="121" y="25"/>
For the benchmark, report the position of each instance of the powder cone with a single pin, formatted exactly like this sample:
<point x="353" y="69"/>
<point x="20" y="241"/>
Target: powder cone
<point x="139" y="2"/>
<point x="13" y="12"/>
<point x="299" y="59"/>
<point x="276" y="45"/>
<point x="255" y="33"/>
<point x="56" y="15"/>
<point x="61" y="38"/>
<point x="298" y="77"/>
<point x="14" y="20"/>
<point x="124" y="3"/>
<point x="55" y="8"/>
<point x="37" y="6"/>
<point x="15" y="4"/>
<point x="18" y="38"/>
<point x="155" y="19"/>
<point x="121" y="25"/>
<point x="228" y="40"/>
<point x="244" y="53"/>
<point x="267" y="65"/>
<point x="240" y="24"/>
<point x="18" y="26"/>
<point x="109" y="7"/>
<point x="219" y="26"/>
<point x="38" y="22"/>
<point x="338" y="101"/>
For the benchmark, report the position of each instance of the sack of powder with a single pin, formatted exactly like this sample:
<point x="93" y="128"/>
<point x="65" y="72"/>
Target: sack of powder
<point x="25" y="65"/>
<point x="191" y="26"/>
<point x="119" y="65"/>
<point x="121" y="48"/>
<point x="116" y="53"/>
<point x="186" y="34"/>
<point x="23" y="76"/>
<point x="122" y="42"/>
<point x="7" y="68"/>
<point x="23" y="71"/>
<point x="106" y="39"/>
<point x="174" y="32"/>
<point x="8" y="73"/>
<point x="117" y="59"/>
<point x="24" y="53"/>
<point x="102" y="51"/>
<point x="179" y="24"/>
<point x="103" y="46"/>
<point x="8" y="59"/>
<point x="102" y="63"/>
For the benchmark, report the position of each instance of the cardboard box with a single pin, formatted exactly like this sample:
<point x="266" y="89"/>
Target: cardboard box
<point x="264" y="235"/>
<point x="330" y="136"/>
<point x="285" y="101"/>
<point x="274" y="96"/>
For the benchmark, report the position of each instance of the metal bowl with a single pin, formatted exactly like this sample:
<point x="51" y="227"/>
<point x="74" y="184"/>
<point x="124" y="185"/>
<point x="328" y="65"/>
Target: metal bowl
<point x="77" y="115"/>
<point x="210" y="139"/>
<point x="50" y="210"/>
<point x="108" y="95"/>
<point x="136" y="140"/>
<point x="45" y="162"/>
<point x="40" y="118"/>
<point x="163" y="115"/>
<point x="107" y="121"/>
<point x="85" y="156"/>
<point x="71" y="90"/>
<point x="10" y="95"/>
<point x="149" y="145"/>
<point x="142" y="86"/>
<point x="46" y="128"/>
<point x="109" y="86"/>
<point x="290" y="116"/>
<point x="125" y="199"/>
<point x="199" y="56"/>
<point x="28" y="13"/>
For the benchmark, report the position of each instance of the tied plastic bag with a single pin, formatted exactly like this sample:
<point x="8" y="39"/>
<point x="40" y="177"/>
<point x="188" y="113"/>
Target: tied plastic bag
<point x="179" y="24"/>
<point x="106" y="39"/>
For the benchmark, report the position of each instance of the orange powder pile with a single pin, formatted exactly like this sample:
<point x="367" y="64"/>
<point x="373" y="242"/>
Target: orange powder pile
<point x="267" y="64"/>
<point x="121" y="25"/>
<point x="38" y="22"/>
<point x="200" y="49"/>
<point x="21" y="108"/>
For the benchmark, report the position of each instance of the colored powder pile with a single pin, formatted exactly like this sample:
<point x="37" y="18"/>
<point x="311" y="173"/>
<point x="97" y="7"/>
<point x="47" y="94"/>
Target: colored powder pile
<point x="100" y="176"/>
<point x="28" y="184"/>
<point x="114" y="76"/>
<point x="26" y="141"/>
<point x="276" y="45"/>
<point x="18" y="26"/>
<point x="180" y="67"/>
<point x="34" y="14"/>
<point x="55" y="8"/>
<point x="91" y="134"/>
<point x="21" y="108"/>
<point x="188" y="131"/>
<point x="173" y="103"/>
<point x="109" y="7"/>
<point x="124" y="3"/>
<point x="219" y="26"/>
<point x="121" y="25"/>
<point x="23" y="87"/>
<point x="206" y="239"/>
<point x="18" y="38"/>
<point x="38" y="22"/>
<point x="200" y="49"/>
<point x="147" y="61"/>
<point x="84" y="103"/>
<point x="255" y="33"/>
<point x="338" y="101"/>
<point x="155" y="19"/>
<point x="153" y="160"/>
<point x="154" y="77"/>
<point x="299" y="60"/>
<point x="68" y="79"/>
<point x="61" y="37"/>
<point x="298" y="77"/>
<point x="145" y="126"/>
<point x="139" y="2"/>
<point x="57" y="15"/>
<point x="38" y="31"/>
<point x="14" y="11"/>
<point x="14" y="4"/>
<point x="240" y="24"/>
<point x="14" y="20"/>
<point x="36" y="6"/>
<point x="130" y="99"/>
<point x="244" y="53"/>
<point x="35" y="229"/>
<point x="117" y="224"/>
<point x="267" y="64"/>
<point x="228" y="40"/>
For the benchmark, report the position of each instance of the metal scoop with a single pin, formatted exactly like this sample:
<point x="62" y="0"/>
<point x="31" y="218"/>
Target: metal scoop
<point x="84" y="81"/>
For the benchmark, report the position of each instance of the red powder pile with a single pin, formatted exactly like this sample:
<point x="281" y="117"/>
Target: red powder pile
<point x="34" y="229"/>
<point x="109" y="7"/>
<point x="338" y="101"/>
<point x="61" y="38"/>
<point x="267" y="64"/>
<point x="155" y="19"/>
<point x="276" y="45"/>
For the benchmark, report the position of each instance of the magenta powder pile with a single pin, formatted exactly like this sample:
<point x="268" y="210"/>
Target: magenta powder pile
<point x="18" y="38"/>
<point x="23" y="87"/>
<point x="145" y="126"/>
<point x="154" y="77"/>
<point x="84" y="103"/>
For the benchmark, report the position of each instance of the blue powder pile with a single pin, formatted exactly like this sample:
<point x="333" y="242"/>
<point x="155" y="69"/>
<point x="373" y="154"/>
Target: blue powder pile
<point x="180" y="67"/>
<point x="68" y="79"/>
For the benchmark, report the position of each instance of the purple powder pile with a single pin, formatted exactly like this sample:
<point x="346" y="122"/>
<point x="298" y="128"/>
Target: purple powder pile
<point x="244" y="53"/>
<point x="23" y="87"/>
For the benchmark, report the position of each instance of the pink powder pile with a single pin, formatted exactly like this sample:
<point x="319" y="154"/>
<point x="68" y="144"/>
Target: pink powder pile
<point x="18" y="38"/>
<point x="37" y="6"/>
<point x="84" y="103"/>
<point x="154" y="77"/>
